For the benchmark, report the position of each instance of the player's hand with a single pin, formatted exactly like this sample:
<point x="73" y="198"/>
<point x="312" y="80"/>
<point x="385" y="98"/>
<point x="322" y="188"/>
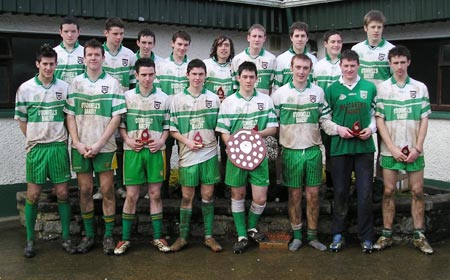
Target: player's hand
<point x="398" y="155"/>
<point x="95" y="149"/>
<point x="135" y="145"/>
<point x="193" y="145"/>
<point x="413" y="155"/>
<point x="345" y="132"/>
<point x="155" y="145"/>
<point x="81" y="148"/>
<point x="365" y="133"/>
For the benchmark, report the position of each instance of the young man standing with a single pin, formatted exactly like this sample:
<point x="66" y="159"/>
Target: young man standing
<point x="147" y="112"/>
<point x="94" y="107"/>
<point x="299" y="35"/>
<point x="70" y="52"/>
<point x="193" y="118"/>
<point x="39" y="110"/>
<point x="146" y="42"/>
<point x="264" y="60"/>
<point x="403" y="107"/>
<point x="247" y="109"/>
<point x="299" y="106"/>
<point x="351" y="122"/>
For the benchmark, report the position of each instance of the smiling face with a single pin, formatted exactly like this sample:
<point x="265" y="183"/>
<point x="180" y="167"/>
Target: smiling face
<point x="46" y="67"/>
<point x="196" y="77"/>
<point x="180" y="48"/>
<point x="349" y="69"/>
<point x="223" y="51"/>
<point x="300" y="71"/>
<point x="93" y="59"/>
<point x="333" y="45"/>
<point x="256" y="39"/>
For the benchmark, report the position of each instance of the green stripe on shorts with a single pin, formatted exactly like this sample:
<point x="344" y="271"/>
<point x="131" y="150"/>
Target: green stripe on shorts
<point x="301" y="167"/>
<point x="206" y="173"/>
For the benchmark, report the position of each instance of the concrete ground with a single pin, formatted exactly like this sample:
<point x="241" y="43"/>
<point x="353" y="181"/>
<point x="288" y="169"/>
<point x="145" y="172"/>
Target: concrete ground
<point x="197" y="262"/>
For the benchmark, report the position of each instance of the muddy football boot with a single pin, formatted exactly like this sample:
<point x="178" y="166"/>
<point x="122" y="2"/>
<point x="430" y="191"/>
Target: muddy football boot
<point x="29" y="251"/>
<point x="337" y="244"/>
<point x="382" y="243"/>
<point x="422" y="244"/>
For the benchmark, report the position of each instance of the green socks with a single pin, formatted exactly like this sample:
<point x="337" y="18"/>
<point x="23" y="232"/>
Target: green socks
<point x="127" y="223"/>
<point x="208" y="217"/>
<point x="109" y="225"/>
<point x="65" y="213"/>
<point x="157" y="224"/>
<point x="185" y="219"/>
<point x="30" y="218"/>
<point x="88" y="221"/>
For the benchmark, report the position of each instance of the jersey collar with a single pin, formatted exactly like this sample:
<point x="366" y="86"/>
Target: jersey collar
<point x="394" y="82"/>
<point x="291" y="50"/>
<point x="184" y="59"/>
<point x="107" y="49"/>
<point x="381" y="44"/>
<point x="308" y="85"/>
<point x="152" y="55"/>
<point x="239" y="95"/>
<point x="138" y="91"/>
<point x="261" y="53"/>
<point x="76" y="45"/>
<point x="220" y="64"/>
<point x="327" y="56"/>
<point x="188" y="93"/>
<point x="36" y="79"/>
<point x="102" y="76"/>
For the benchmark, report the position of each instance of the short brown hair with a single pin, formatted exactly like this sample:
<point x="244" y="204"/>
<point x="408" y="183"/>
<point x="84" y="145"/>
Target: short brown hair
<point x="374" y="15"/>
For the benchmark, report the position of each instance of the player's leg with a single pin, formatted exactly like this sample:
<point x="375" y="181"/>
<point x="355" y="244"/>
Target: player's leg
<point x="295" y="217"/>
<point x="31" y="210"/>
<point x="128" y="217"/>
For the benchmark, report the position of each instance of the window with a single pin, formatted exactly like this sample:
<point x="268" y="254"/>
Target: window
<point x="443" y="93"/>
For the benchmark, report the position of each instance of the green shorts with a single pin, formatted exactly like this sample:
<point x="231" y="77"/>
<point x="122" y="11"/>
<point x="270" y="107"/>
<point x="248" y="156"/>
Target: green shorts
<point x="101" y="163"/>
<point x="302" y="167"/>
<point x="206" y="173"/>
<point x="48" y="161"/>
<point x="237" y="177"/>
<point x="389" y="162"/>
<point x="143" y="167"/>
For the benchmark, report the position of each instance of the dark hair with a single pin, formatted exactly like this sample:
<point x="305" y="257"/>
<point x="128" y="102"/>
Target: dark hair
<point x="195" y="63"/>
<point x="249" y="66"/>
<point x="182" y="35"/>
<point x="299" y="26"/>
<point x="144" y="62"/>
<point x="399" y="50"/>
<point x="46" y="51"/>
<point x="219" y="41"/>
<point x="350" y="55"/>
<point x="146" y="32"/>
<point x="330" y="33"/>
<point x="302" y="56"/>
<point x="93" y="44"/>
<point x="114" y="22"/>
<point x="258" y="27"/>
<point x="374" y="15"/>
<point x="69" y="20"/>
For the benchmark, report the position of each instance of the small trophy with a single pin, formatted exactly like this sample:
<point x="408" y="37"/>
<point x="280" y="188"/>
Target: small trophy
<point x="221" y="93"/>
<point x="198" y="138"/>
<point x="256" y="128"/>
<point x="405" y="150"/>
<point x="356" y="128"/>
<point x="145" y="137"/>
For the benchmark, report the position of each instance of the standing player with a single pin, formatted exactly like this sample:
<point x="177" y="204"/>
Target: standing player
<point x="39" y="110"/>
<point x="70" y="52"/>
<point x="351" y="122"/>
<point x="146" y="42"/>
<point x="299" y="35"/>
<point x="193" y="118"/>
<point x="246" y="109"/>
<point x="94" y="107"/>
<point x="264" y="60"/>
<point x="402" y="113"/>
<point x="299" y="106"/>
<point x="147" y="110"/>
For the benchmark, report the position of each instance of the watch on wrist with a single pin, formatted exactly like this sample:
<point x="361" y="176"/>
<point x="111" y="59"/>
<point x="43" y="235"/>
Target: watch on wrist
<point x="418" y="150"/>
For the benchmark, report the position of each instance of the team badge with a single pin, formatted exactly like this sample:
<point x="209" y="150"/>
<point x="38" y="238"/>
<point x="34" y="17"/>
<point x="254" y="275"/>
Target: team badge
<point x="124" y="62"/>
<point x="105" y="89"/>
<point x="264" y="65"/>
<point x="157" y="105"/>
<point x="58" y="95"/>
<point x="413" y="93"/>
<point x="208" y="103"/>
<point x="212" y="74"/>
<point x="260" y="106"/>
<point x="363" y="94"/>
<point x="80" y="60"/>
<point x="342" y="96"/>
<point x="312" y="98"/>
<point x="381" y="56"/>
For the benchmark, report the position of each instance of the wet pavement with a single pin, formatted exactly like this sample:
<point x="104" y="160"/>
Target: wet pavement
<point x="197" y="262"/>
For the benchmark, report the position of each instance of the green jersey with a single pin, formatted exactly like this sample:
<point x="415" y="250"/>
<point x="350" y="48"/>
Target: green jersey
<point x="218" y="77"/>
<point x="402" y="108"/>
<point x="172" y="76"/>
<point x="121" y="66"/>
<point x="41" y="108"/>
<point x="70" y="64"/>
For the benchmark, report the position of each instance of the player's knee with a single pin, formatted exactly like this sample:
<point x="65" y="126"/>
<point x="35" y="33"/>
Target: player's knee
<point x="62" y="194"/>
<point x="417" y="193"/>
<point x="389" y="192"/>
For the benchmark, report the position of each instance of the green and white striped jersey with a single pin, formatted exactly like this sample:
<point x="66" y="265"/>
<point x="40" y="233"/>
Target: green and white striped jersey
<point x="156" y="59"/>
<point x="218" y="76"/>
<point x="172" y="76"/>
<point x="191" y="115"/>
<point x="70" y="64"/>
<point x="299" y="113"/>
<point x="145" y="112"/>
<point x="94" y="103"/>
<point x="42" y="109"/>
<point x="402" y="109"/>
<point x="374" y="63"/>
<point x="238" y="113"/>
<point x="121" y="66"/>
<point x="326" y="72"/>
<point x="283" y="73"/>
<point x="265" y="64"/>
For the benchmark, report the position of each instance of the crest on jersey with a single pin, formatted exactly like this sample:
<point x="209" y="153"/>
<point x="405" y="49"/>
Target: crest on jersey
<point x="208" y="103"/>
<point x="260" y="106"/>
<point x="264" y="65"/>
<point x="342" y="96"/>
<point x="157" y="105"/>
<point x="105" y="89"/>
<point x="58" y="95"/>
<point x="312" y="98"/>
<point x="413" y="93"/>
<point x="124" y="62"/>
<point x="80" y="60"/>
<point x="363" y="94"/>
<point x="212" y="74"/>
<point x="381" y="56"/>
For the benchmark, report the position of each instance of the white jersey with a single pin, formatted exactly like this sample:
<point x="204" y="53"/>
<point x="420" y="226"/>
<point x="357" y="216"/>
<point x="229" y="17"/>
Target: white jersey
<point x="94" y="103"/>
<point x="402" y="109"/>
<point x="265" y="65"/>
<point x="42" y="109"/>
<point x="172" y="76"/>
<point x="218" y="77"/>
<point x="70" y="64"/>
<point x="121" y="66"/>
<point x="283" y="73"/>
<point x="326" y="72"/>
<point x="156" y="59"/>
<point x="374" y="62"/>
